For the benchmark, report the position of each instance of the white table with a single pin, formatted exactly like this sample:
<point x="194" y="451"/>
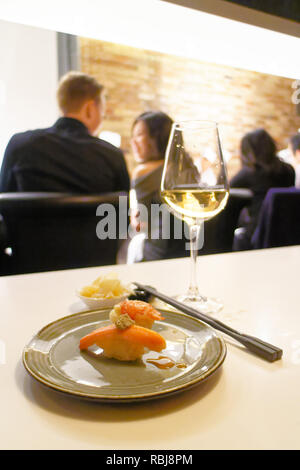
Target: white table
<point x="248" y="404"/>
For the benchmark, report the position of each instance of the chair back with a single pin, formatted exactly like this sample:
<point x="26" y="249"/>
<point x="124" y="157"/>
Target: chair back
<point x="51" y="231"/>
<point x="219" y="231"/>
<point x="279" y="219"/>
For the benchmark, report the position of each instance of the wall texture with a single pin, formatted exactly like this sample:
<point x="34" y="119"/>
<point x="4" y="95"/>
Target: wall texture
<point x="137" y="80"/>
<point x="28" y="79"/>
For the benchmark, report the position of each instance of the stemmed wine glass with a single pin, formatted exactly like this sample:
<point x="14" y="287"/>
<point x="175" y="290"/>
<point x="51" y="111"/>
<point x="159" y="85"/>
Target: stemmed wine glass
<point x="195" y="188"/>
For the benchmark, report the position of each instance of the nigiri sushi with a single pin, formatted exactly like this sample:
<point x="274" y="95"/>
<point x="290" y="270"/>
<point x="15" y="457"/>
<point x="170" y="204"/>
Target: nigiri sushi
<point x="125" y="345"/>
<point x="142" y="313"/>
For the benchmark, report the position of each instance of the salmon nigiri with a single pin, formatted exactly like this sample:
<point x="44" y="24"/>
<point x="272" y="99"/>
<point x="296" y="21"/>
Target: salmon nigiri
<point x="125" y="345"/>
<point x="142" y="313"/>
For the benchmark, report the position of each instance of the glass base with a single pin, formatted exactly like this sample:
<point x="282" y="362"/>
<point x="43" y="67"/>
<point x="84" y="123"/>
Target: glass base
<point x="205" y="305"/>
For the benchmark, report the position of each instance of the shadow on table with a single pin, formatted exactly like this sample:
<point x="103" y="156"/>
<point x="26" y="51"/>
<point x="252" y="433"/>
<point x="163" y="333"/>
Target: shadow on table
<point x="83" y="409"/>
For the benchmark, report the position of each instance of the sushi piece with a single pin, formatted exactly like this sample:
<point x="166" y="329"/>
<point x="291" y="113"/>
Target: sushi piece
<point x="141" y="313"/>
<point x="125" y="345"/>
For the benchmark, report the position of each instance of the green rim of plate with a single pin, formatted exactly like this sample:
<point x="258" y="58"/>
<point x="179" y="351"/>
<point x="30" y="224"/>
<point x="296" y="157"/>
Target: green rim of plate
<point x="53" y="358"/>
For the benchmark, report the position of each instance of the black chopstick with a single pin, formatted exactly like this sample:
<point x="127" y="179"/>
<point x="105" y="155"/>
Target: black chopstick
<point x="261" y="348"/>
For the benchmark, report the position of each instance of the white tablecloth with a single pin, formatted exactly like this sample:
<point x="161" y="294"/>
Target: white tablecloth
<point x="248" y="404"/>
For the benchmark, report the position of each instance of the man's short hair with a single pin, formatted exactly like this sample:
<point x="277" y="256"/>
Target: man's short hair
<point x="74" y="89"/>
<point x="295" y="142"/>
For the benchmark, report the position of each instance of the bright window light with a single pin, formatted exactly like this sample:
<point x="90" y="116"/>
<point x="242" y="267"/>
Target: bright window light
<point x="160" y="26"/>
<point x="112" y="137"/>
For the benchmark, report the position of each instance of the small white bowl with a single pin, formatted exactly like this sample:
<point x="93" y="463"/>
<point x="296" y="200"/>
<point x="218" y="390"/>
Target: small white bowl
<point x="92" y="303"/>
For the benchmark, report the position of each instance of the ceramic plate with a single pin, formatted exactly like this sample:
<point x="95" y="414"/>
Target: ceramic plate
<point x="194" y="351"/>
<point x="93" y="304"/>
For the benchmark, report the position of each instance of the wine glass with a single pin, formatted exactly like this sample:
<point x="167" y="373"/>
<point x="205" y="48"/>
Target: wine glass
<point x="195" y="188"/>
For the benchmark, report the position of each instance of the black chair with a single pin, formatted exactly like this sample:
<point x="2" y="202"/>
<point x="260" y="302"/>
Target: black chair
<point x="219" y="231"/>
<point x="52" y="231"/>
<point x="279" y="219"/>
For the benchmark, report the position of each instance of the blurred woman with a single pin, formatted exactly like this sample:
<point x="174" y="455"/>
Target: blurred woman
<point x="150" y="135"/>
<point x="294" y="149"/>
<point x="261" y="170"/>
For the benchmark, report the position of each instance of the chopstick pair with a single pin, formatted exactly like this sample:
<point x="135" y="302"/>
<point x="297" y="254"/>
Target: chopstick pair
<point x="261" y="348"/>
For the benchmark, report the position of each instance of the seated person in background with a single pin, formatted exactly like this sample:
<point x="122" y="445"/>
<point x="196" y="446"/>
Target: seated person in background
<point x="294" y="147"/>
<point x="261" y="170"/>
<point x="150" y="135"/>
<point x="67" y="157"/>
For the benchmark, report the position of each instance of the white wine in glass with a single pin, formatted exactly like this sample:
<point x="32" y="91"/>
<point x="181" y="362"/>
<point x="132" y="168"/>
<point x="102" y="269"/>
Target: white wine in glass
<point x="195" y="188"/>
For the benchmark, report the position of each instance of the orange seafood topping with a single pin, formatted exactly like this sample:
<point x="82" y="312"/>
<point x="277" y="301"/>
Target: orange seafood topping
<point x="138" y="308"/>
<point x="126" y="344"/>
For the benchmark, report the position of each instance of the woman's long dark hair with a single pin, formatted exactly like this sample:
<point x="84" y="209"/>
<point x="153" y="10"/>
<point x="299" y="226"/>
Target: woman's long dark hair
<point x="258" y="150"/>
<point x="159" y="125"/>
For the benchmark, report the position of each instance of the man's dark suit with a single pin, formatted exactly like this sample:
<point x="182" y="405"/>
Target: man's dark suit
<point x="62" y="158"/>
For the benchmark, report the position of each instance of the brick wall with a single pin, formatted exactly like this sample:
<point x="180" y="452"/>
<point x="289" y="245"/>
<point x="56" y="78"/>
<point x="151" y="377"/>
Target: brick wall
<point x="137" y="80"/>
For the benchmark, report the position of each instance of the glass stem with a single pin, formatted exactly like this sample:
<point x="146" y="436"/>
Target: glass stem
<point x="195" y="231"/>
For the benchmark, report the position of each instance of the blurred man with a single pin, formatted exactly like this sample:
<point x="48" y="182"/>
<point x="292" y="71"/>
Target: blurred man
<point x="294" y="146"/>
<point x="67" y="157"/>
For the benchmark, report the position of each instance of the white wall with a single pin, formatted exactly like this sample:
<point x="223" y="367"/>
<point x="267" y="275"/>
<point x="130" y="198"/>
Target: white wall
<point x="168" y="28"/>
<point x="28" y="79"/>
